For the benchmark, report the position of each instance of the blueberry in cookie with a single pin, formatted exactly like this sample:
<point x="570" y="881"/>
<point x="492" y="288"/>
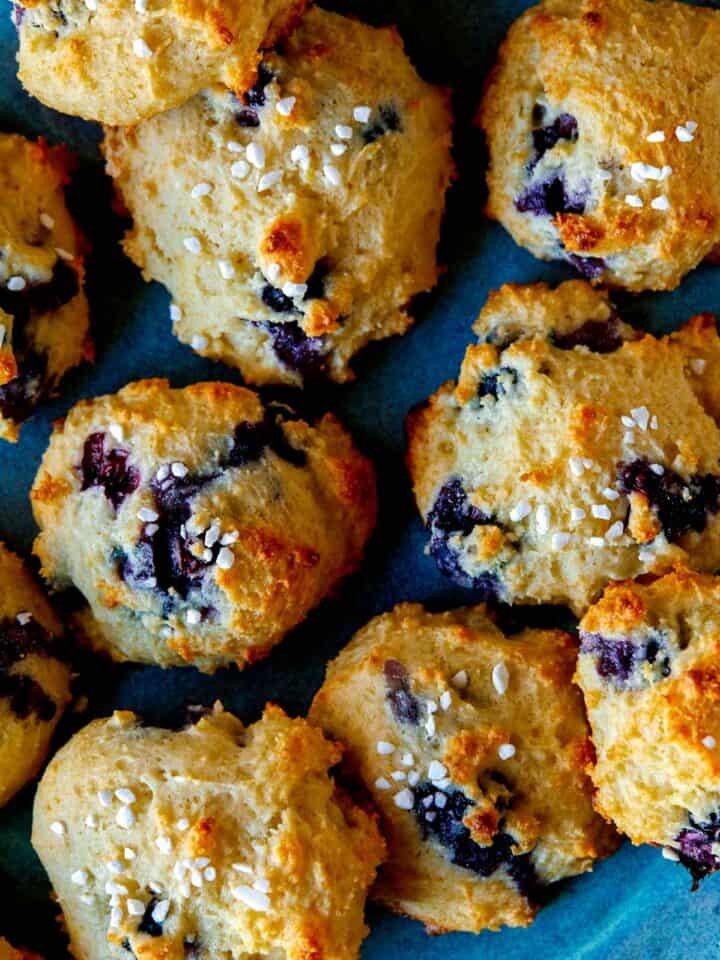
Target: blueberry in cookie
<point x="293" y="224"/>
<point x="118" y="62"/>
<point x="199" y="524"/>
<point x="34" y="682"/>
<point x="43" y="310"/>
<point x="474" y="747"/>
<point x="648" y="668"/>
<point x="213" y="841"/>
<point x="601" y="126"/>
<point x="573" y="450"/>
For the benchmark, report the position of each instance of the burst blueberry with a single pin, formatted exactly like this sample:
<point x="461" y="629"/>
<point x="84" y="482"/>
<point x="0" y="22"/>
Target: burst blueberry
<point x="386" y="120"/>
<point x="147" y="925"/>
<point x="255" y="96"/>
<point x="592" y="268"/>
<point x="108" y="469"/>
<point x="563" y="127"/>
<point x="696" y="847"/>
<point x="498" y="383"/>
<point x="18" y="641"/>
<point x="296" y="350"/>
<point x="600" y="336"/>
<point x="452" y="514"/>
<point x="404" y="705"/>
<point x="446" y="827"/>
<point x="626" y="661"/>
<point x="680" y="505"/>
<point x="275" y="299"/>
<point x="551" y="197"/>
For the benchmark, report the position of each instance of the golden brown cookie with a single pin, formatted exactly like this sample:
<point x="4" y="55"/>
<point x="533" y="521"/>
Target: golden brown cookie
<point x="119" y="61"/>
<point x="474" y="747"/>
<point x="650" y="670"/>
<point x="199" y="524"/>
<point x="601" y="120"/>
<point x="573" y="450"/>
<point x="212" y="841"/>
<point x="34" y="683"/>
<point x="293" y="226"/>
<point x="43" y="310"/>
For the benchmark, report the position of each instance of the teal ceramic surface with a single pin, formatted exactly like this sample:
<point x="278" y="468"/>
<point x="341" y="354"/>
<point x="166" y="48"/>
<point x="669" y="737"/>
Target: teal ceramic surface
<point x="635" y="905"/>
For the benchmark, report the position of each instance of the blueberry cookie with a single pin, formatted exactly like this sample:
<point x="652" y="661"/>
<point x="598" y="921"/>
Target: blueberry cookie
<point x="34" y="683"/>
<point x="294" y="224"/>
<point x="213" y="841"/>
<point x="601" y="120"/>
<point x="199" y="524"/>
<point x="649" y="669"/>
<point x="43" y="310"/>
<point x="572" y="451"/>
<point x="118" y="62"/>
<point x="474" y="747"/>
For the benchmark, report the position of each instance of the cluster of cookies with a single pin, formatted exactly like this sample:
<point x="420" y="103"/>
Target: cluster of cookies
<point x="285" y="172"/>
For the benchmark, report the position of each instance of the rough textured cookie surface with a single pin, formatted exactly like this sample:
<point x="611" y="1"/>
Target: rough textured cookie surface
<point x="601" y="119"/>
<point x="294" y="224"/>
<point x="573" y="450"/>
<point x="43" y="310"/>
<point x="34" y="684"/>
<point x="119" y="62"/>
<point x="199" y="524"/>
<point x="474" y="747"/>
<point x="214" y="841"/>
<point x="650" y="673"/>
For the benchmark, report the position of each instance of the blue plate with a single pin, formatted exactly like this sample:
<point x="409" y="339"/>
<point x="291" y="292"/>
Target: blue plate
<point x="635" y="905"/>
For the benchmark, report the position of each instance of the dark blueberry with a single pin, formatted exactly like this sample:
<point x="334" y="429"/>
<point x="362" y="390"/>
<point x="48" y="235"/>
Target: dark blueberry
<point x="452" y="514"/>
<point x="147" y="925"/>
<point x="251" y="440"/>
<point x="316" y="280"/>
<point x="600" y="336"/>
<point x="246" y="117"/>
<point x="403" y="704"/>
<point x="192" y="949"/>
<point x="163" y="560"/>
<point x="296" y="350"/>
<point x="592" y="268"/>
<point x="126" y="946"/>
<point x="166" y="554"/>
<point x="614" y="658"/>
<point x="20" y="396"/>
<point x="110" y="470"/>
<point x="551" y="197"/>
<point x="275" y="299"/>
<point x="446" y="827"/>
<point x="498" y="383"/>
<point x="386" y="120"/>
<point x="255" y="96"/>
<point x="389" y="116"/>
<point x="563" y="127"/>
<point x="680" y="505"/>
<point x="696" y="843"/>
<point x="42" y="297"/>
<point x="248" y="445"/>
<point x="18" y="641"/>
<point x="624" y="661"/>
